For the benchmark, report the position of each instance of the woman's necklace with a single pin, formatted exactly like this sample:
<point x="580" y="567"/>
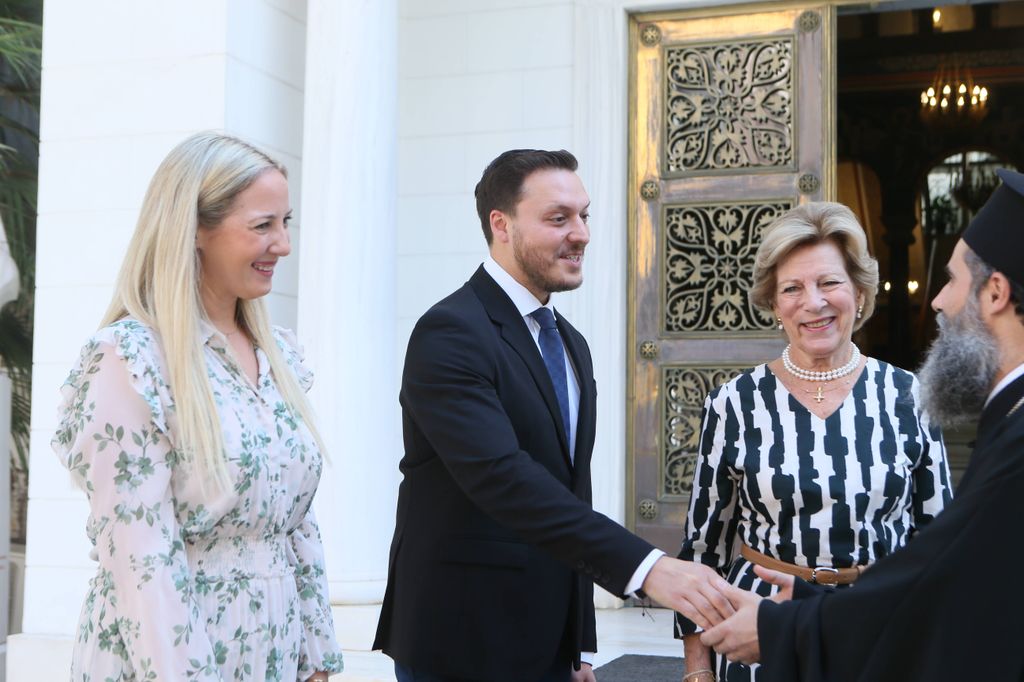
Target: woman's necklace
<point x="819" y="394"/>
<point x="827" y="375"/>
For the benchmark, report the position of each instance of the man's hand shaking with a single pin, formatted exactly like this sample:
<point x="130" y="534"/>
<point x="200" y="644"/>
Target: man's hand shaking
<point x="736" y="637"/>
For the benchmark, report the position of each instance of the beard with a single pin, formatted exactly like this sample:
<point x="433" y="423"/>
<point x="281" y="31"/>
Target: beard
<point x="536" y="265"/>
<point x="961" y="366"/>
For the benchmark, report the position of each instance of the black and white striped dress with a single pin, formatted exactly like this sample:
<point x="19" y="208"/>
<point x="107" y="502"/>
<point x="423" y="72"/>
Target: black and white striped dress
<point x="841" y="491"/>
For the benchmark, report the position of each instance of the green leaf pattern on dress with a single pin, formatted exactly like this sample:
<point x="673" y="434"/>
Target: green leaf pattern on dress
<point x="191" y="585"/>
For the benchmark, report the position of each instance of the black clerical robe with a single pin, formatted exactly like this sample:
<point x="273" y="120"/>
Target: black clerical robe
<point x="947" y="607"/>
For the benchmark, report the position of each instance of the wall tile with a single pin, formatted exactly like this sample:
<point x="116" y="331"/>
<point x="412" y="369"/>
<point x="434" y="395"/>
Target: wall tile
<point x="457" y="105"/>
<point x="268" y="39"/>
<point x="47" y="378"/>
<point x="65" y="317"/>
<point x="548" y="98"/>
<point x="71" y="244"/>
<point x="442" y="223"/>
<point x="62" y="523"/>
<point x="179" y="94"/>
<point x="426" y="8"/>
<point x="432" y="46"/>
<point x="296" y="9"/>
<point x="432" y="165"/>
<point x="425" y="280"/>
<point x="100" y="174"/>
<point x="89" y="33"/>
<point x="49" y="479"/>
<point x="56" y="595"/>
<point x="283" y="310"/>
<point x="530" y="37"/>
<point x="262" y="109"/>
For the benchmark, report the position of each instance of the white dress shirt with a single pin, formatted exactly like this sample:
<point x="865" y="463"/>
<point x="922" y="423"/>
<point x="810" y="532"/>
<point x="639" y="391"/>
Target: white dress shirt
<point x="1006" y="381"/>
<point x="525" y="302"/>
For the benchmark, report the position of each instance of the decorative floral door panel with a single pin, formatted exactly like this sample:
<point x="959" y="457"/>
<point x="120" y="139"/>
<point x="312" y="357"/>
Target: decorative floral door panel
<point x="731" y="124"/>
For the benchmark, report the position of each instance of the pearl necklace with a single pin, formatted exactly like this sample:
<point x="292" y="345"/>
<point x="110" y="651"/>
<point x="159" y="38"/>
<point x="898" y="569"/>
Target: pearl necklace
<point x="827" y="375"/>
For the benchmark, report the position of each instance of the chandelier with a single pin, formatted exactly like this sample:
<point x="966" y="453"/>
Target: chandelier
<point x="954" y="97"/>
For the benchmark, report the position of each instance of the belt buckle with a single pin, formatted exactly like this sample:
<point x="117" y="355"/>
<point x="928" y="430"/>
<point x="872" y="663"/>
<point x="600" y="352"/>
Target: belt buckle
<point x="830" y="575"/>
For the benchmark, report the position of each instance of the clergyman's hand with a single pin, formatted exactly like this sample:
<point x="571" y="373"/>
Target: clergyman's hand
<point x="783" y="581"/>
<point x="736" y="638"/>
<point x="692" y="589"/>
<point x="584" y="674"/>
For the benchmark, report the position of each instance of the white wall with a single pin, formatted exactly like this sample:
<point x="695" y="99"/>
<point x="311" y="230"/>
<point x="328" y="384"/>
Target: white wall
<point x="475" y="79"/>
<point x="122" y="84"/>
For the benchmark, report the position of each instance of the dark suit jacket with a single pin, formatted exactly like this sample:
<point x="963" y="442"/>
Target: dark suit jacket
<point x="496" y="545"/>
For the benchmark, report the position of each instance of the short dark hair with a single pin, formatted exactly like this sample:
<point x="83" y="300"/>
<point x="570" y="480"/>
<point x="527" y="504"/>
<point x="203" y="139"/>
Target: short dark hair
<point x="981" y="271"/>
<point x="501" y="185"/>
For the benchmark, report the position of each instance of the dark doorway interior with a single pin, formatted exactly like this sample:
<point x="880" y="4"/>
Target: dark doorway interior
<point x="913" y="170"/>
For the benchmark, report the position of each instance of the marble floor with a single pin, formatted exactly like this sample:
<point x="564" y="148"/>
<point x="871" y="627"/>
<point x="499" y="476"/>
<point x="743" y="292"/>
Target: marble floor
<point x="620" y="631"/>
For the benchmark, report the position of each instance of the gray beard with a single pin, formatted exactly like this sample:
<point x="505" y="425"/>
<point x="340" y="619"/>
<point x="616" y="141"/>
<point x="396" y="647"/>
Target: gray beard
<point x="961" y="366"/>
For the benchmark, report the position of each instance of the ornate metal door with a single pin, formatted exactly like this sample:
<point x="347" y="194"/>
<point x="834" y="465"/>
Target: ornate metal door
<point x="731" y="124"/>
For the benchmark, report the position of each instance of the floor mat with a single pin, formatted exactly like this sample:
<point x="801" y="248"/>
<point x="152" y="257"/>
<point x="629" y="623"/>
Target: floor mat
<point x="634" y="668"/>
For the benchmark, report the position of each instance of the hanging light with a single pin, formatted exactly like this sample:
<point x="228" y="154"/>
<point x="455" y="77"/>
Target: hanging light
<point x="970" y="98"/>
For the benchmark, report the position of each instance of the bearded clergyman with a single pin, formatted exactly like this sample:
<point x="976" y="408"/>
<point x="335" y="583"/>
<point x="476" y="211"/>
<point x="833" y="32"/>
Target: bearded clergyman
<point x="945" y="608"/>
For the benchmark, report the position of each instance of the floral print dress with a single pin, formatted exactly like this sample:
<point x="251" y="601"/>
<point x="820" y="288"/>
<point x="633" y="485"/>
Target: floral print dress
<point x="193" y="585"/>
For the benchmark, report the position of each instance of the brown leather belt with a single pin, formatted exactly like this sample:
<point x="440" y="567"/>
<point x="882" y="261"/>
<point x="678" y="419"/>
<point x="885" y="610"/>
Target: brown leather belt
<point x="822" y="575"/>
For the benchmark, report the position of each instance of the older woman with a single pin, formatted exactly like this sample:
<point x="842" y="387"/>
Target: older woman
<point x="185" y="422"/>
<point x="821" y="461"/>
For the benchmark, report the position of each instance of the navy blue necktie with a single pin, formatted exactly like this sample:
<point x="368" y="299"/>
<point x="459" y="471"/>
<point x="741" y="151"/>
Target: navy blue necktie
<point x="554" y="359"/>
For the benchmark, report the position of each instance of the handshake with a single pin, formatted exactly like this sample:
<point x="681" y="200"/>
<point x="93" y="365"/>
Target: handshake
<point x="727" y="614"/>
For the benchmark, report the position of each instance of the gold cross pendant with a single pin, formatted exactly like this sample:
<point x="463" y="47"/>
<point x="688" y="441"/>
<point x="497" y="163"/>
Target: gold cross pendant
<point x="820" y="395"/>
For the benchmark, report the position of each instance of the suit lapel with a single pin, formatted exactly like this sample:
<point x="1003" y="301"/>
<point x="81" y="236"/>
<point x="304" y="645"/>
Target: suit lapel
<point x="514" y="331"/>
<point x="585" y="379"/>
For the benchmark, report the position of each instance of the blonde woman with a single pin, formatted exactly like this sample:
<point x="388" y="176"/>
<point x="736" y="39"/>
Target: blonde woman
<point x="185" y="422"/>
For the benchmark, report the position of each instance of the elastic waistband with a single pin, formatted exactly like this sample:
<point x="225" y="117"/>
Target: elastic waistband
<point x="239" y="556"/>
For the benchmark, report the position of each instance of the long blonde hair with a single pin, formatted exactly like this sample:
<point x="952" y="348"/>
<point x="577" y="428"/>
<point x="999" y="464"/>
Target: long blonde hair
<point x="196" y="185"/>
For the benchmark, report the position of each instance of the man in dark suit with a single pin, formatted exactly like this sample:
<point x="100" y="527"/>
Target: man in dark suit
<point x="496" y="546"/>
<point x="937" y="609"/>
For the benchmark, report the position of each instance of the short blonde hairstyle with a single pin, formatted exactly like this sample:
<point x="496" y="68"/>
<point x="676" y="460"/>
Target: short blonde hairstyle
<point x="807" y="225"/>
<point x="195" y="188"/>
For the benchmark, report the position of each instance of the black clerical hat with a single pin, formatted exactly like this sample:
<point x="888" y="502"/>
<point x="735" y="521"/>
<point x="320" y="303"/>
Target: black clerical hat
<point x="997" y="233"/>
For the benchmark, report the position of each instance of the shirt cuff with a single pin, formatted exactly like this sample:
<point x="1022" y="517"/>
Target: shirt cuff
<point x="588" y="657"/>
<point x="640" y="575"/>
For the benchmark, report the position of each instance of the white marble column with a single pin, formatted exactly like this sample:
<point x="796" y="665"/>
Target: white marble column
<point x="347" y="300"/>
<point x="122" y="84"/>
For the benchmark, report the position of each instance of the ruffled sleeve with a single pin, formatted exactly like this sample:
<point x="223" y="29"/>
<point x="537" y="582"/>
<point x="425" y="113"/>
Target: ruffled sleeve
<point x="292" y="351"/>
<point x="113" y="437"/>
<point x="320" y="650"/>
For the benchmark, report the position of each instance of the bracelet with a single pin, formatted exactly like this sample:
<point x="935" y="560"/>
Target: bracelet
<point x="695" y="673"/>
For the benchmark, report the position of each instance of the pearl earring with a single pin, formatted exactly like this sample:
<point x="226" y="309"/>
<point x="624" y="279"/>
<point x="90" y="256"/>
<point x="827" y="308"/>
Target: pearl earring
<point x="779" y="321"/>
<point x="860" y="311"/>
